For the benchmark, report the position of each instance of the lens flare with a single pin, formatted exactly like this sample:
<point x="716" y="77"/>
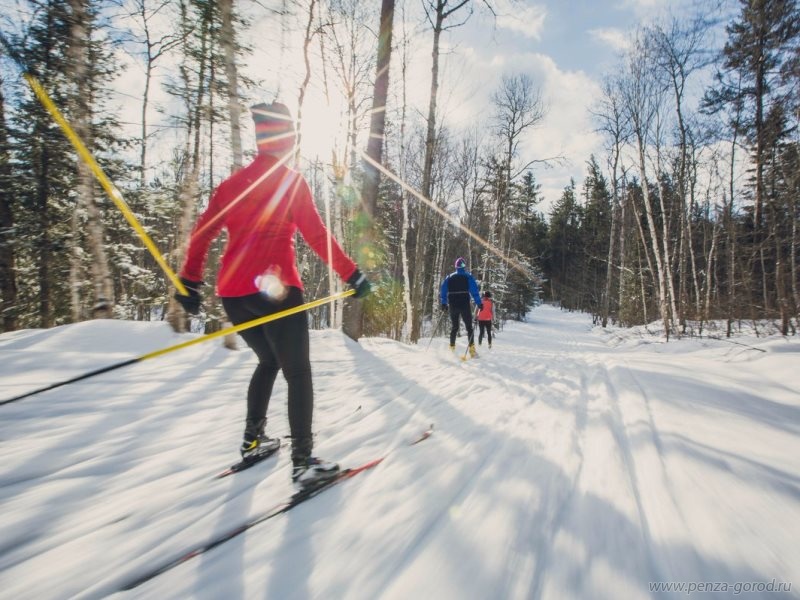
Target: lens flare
<point x="270" y="284"/>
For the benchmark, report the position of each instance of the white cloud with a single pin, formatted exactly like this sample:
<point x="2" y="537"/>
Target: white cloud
<point x="567" y="129"/>
<point x="472" y="75"/>
<point x="615" y="38"/>
<point x="522" y="19"/>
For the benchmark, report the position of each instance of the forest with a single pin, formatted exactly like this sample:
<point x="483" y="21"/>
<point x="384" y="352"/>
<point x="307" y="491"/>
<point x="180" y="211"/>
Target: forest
<point x="688" y="216"/>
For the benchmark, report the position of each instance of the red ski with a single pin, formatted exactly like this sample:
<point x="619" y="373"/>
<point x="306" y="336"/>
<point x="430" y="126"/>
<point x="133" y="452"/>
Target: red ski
<point x="296" y="498"/>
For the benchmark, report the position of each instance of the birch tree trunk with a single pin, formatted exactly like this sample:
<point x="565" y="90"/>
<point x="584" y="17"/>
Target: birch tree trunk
<point x="710" y="261"/>
<point x="615" y="209"/>
<point x="641" y="102"/>
<point x="430" y="134"/>
<point x="674" y="315"/>
<point x="644" y="248"/>
<point x="613" y="125"/>
<point x="438" y="263"/>
<point x="409" y="315"/>
<point x="102" y="285"/>
<point x="309" y="37"/>
<point x="154" y="48"/>
<point x="228" y="41"/>
<point x="194" y="99"/>
<point x="794" y="274"/>
<point x="334" y="318"/>
<point x="651" y="225"/>
<point x="689" y="235"/>
<point x="678" y="48"/>
<point x="623" y="264"/>
<point x="731" y="231"/>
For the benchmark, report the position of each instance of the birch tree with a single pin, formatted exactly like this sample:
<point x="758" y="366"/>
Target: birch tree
<point x="81" y="32"/>
<point x="156" y="45"/>
<point x="642" y="96"/>
<point x="192" y="91"/>
<point x="679" y="55"/>
<point x="609" y="113"/>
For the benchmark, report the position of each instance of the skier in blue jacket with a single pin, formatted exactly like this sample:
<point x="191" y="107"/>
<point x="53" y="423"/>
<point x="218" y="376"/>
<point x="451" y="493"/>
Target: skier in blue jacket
<point x="455" y="292"/>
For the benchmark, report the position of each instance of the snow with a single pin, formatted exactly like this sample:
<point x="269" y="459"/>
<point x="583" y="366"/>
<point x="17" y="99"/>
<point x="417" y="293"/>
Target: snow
<point x="567" y="462"/>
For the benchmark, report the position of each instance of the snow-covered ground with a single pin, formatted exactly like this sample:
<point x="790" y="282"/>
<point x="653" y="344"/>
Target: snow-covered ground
<point x="567" y="462"/>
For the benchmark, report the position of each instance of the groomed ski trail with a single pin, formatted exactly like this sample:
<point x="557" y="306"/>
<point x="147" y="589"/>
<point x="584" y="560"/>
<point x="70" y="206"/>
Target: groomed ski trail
<point x="568" y="462"/>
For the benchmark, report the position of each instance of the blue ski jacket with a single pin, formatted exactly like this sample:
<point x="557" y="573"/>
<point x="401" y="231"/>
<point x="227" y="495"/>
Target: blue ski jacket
<point x="458" y="287"/>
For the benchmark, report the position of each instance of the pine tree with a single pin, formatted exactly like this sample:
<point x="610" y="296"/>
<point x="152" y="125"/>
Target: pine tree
<point x="760" y="52"/>
<point x="8" y="251"/>
<point x="595" y="235"/>
<point x="45" y="166"/>
<point x="564" y="242"/>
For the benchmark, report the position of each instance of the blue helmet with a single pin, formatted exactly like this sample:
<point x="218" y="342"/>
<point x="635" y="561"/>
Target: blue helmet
<point x="460" y="263"/>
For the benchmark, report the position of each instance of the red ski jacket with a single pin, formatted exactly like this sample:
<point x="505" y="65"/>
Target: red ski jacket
<point x="487" y="314"/>
<point x="261" y="206"/>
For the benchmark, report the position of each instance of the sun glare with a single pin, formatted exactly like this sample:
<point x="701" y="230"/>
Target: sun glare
<point x="321" y="131"/>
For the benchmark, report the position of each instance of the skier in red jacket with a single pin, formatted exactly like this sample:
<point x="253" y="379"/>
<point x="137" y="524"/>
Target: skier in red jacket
<point x="485" y="316"/>
<point x="262" y="206"/>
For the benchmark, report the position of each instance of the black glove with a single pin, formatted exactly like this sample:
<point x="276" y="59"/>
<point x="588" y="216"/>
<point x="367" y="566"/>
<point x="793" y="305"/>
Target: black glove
<point x="358" y="281"/>
<point x="444" y="307"/>
<point x="190" y="303"/>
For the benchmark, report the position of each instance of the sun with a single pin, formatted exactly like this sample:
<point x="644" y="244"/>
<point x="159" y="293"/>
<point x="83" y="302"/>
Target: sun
<point x="321" y="130"/>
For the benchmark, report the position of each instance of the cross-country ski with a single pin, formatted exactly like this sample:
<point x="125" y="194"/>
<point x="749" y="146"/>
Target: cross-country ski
<point x="246" y="463"/>
<point x="294" y="500"/>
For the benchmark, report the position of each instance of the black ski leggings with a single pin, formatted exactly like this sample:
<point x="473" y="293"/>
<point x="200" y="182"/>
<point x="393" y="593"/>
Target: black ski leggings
<point x="485" y="326"/>
<point x="465" y="314"/>
<point x="279" y="345"/>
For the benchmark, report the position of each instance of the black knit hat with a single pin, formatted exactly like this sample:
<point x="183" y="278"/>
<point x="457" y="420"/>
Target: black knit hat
<point x="274" y="127"/>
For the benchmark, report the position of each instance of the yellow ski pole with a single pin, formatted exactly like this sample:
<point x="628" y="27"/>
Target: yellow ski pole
<point x="98" y="172"/>
<point x="192" y="342"/>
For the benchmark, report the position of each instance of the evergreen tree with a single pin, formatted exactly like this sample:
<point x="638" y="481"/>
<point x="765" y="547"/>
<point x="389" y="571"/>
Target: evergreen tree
<point x="562" y="266"/>
<point x="529" y="235"/>
<point x="758" y="76"/>
<point x="45" y="167"/>
<point x="8" y="251"/>
<point x="595" y="234"/>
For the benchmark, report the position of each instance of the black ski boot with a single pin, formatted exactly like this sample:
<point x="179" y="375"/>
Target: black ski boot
<point x="255" y="442"/>
<point x="310" y="471"/>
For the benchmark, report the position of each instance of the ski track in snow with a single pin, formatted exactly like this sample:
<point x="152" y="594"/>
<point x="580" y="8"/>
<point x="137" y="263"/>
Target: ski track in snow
<point x="566" y="462"/>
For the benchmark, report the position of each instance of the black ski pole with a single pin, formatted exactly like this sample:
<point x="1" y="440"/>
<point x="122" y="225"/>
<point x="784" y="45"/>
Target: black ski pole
<point x="435" y="329"/>
<point x="192" y="342"/>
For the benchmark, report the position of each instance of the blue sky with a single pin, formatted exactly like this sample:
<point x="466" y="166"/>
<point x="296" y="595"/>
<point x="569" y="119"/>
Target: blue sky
<point x="566" y="47"/>
<point x="578" y="34"/>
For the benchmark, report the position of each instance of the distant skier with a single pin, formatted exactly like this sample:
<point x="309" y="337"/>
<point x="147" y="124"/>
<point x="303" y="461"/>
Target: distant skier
<point x="262" y="206"/>
<point x="455" y="293"/>
<point x="485" y="317"/>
